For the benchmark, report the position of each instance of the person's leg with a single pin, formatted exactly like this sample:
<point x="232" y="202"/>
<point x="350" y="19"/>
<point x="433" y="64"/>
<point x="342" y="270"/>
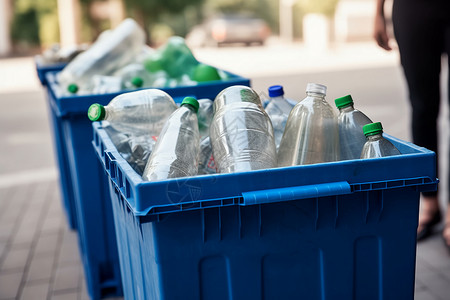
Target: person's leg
<point x="419" y="38"/>
<point x="446" y="231"/>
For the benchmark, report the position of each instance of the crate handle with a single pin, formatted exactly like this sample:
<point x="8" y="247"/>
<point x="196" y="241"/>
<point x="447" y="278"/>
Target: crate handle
<point x="297" y="192"/>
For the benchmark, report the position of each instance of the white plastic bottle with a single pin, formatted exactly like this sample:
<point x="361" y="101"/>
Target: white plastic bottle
<point x="109" y="53"/>
<point x="176" y="151"/>
<point x="136" y="113"/>
<point x="241" y="132"/>
<point x="278" y="110"/>
<point x="376" y="145"/>
<point x="311" y="134"/>
<point x="351" y="122"/>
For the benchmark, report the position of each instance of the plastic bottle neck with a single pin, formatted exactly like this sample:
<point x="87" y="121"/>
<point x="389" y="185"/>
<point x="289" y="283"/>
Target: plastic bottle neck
<point x="347" y="108"/>
<point x="277" y="98"/>
<point x="315" y="95"/>
<point x="190" y="107"/>
<point x="375" y="137"/>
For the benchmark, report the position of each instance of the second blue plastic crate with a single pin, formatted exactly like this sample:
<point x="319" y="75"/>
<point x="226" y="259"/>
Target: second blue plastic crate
<point x="91" y="198"/>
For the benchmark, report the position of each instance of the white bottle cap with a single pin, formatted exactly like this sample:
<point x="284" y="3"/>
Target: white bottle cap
<point x="316" y="88"/>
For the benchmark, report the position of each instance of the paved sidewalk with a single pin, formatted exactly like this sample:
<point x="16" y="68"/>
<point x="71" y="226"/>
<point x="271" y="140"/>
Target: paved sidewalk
<point x="39" y="256"/>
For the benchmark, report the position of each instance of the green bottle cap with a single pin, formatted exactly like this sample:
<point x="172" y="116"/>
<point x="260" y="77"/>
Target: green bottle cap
<point x="96" y="112"/>
<point x="343" y="101"/>
<point x="72" y="88"/>
<point x="191" y="101"/>
<point x="137" y="81"/>
<point x="203" y="73"/>
<point x="372" y="128"/>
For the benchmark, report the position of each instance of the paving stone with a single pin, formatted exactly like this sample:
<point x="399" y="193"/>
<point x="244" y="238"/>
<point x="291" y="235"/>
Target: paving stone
<point x="9" y="285"/>
<point x="52" y="224"/>
<point x="69" y="253"/>
<point x="41" y="268"/>
<point x="65" y="296"/>
<point x="47" y="244"/>
<point x="67" y="278"/>
<point x="35" y="291"/>
<point x="15" y="260"/>
<point x="437" y="285"/>
<point x="424" y="295"/>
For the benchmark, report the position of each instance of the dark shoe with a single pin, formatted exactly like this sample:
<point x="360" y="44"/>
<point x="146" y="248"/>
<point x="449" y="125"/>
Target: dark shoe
<point x="427" y="228"/>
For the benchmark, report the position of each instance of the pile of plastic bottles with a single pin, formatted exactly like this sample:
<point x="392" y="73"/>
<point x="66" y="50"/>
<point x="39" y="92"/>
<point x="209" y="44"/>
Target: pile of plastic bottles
<point x="234" y="133"/>
<point x="120" y="60"/>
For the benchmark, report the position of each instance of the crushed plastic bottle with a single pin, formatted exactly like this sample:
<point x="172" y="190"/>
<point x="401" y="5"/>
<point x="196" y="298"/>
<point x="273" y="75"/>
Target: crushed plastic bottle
<point x="141" y="149"/>
<point x="278" y="110"/>
<point x="137" y="113"/>
<point x="376" y="145"/>
<point x="176" y="151"/>
<point x="109" y="53"/>
<point x="311" y="134"/>
<point x="241" y="132"/>
<point x="351" y="122"/>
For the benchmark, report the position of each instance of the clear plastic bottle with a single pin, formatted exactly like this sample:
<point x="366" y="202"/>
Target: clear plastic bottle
<point x="351" y="122"/>
<point x="206" y="162"/>
<point x="176" y="151"/>
<point x="241" y="132"/>
<point x="104" y="84"/>
<point x="137" y="113"/>
<point x="376" y="145"/>
<point x="278" y="110"/>
<point x="141" y="149"/>
<point x="205" y="115"/>
<point x="134" y="76"/>
<point x="311" y="134"/>
<point x="109" y="53"/>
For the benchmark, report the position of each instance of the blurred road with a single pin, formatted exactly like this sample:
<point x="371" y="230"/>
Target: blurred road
<point x="373" y="77"/>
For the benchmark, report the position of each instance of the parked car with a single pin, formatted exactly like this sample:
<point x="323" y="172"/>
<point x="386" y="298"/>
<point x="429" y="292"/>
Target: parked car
<point x="229" y="29"/>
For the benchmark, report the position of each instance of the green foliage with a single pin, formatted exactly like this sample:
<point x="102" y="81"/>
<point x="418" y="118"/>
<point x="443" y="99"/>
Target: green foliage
<point x="326" y="7"/>
<point x="35" y="22"/>
<point x="25" y="27"/>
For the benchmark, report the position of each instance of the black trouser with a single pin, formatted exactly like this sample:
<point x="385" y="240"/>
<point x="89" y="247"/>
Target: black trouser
<point x="422" y="31"/>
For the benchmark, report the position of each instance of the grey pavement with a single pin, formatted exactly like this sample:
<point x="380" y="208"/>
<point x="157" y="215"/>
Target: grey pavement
<point x="39" y="256"/>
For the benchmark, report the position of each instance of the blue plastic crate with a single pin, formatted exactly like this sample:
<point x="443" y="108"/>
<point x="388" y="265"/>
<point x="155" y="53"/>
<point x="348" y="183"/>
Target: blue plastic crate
<point x="91" y="198"/>
<point x="65" y="180"/>
<point x="43" y="69"/>
<point x="341" y="230"/>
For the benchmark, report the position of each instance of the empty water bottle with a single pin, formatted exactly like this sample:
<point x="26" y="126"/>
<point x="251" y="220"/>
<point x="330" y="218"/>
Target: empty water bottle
<point x="205" y="115"/>
<point x="241" y="132"/>
<point x="311" y="134"/>
<point x="204" y="73"/>
<point x="105" y="84"/>
<point x="134" y="76"/>
<point x="278" y="110"/>
<point x="109" y="53"/>
<point x="351" y="122"/>
<point x="174" y="57"/>
<point x="141" y="148"/>
<point x="376" y="145"/>
<point x="206" y="162"/>
<point x="176" y="151"/>
<point x="138" y="113"/>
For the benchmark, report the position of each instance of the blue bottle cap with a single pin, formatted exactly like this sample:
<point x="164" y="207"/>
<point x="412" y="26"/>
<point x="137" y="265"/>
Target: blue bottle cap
<point x="276" y="91"/>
